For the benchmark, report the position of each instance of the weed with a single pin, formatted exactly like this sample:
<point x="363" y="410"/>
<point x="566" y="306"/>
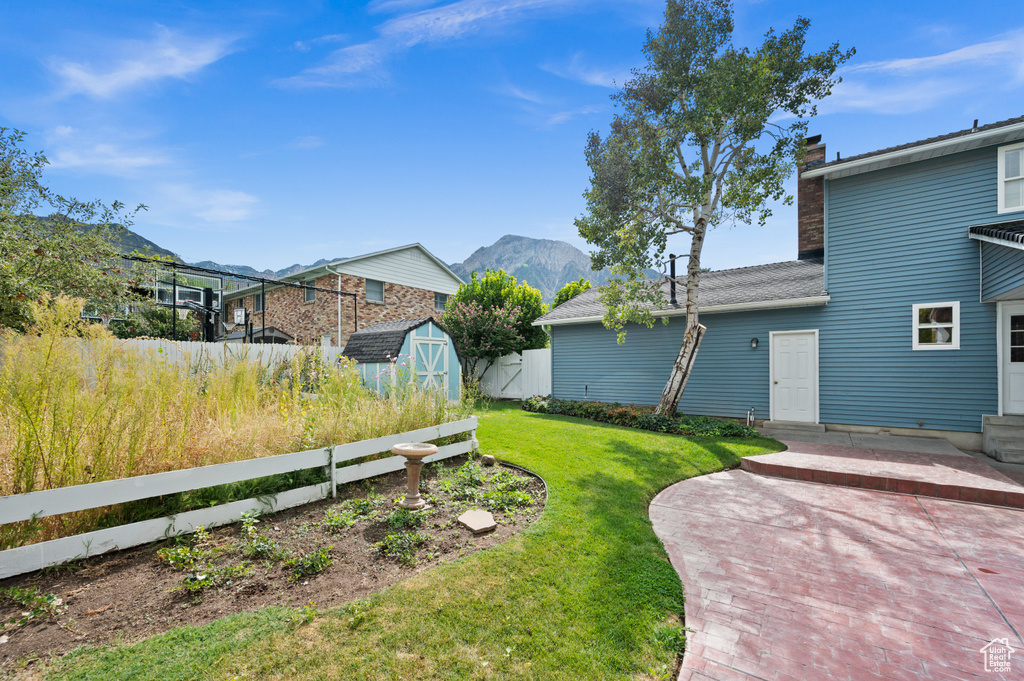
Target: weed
<point x="336" y="521"/>
<point x="505" y="500"/>
<point x="357" y="612"/>
<point x="672" y="637"/>
<point x="305" y="615"/>
<point x="37" y="605"/>
<point x="312" y="563"/>
<point x="199" y="562"/>
<point x="404" y="519"/>
<point x="363" y="506"/>
<point x="400" y="546"/>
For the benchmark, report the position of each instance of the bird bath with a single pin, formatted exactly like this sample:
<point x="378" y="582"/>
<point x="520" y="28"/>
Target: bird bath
<point x="414" y="453"/>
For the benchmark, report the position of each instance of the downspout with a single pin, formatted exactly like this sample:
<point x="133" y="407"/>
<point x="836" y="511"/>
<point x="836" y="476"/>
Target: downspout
<point x="337" y="274"/>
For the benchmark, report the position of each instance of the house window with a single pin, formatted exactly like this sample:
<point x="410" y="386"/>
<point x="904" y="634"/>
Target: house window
<point x="375" y="290"/>
<point x="310" y="292"/>
<point x="937" y="326"/>
<point x="257" y="302"/>
<point x="440" y="301"/>
<point x="1011" y="178"/>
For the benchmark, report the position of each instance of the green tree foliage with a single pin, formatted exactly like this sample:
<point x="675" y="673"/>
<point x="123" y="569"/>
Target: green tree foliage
<point x="157" y="322"/>
<point x="481" y="334"/>
<point x="570" y="291"/>
<point x="73" y="251"/>
<point x="498" y="290"/>
<point x="708" y="133"/>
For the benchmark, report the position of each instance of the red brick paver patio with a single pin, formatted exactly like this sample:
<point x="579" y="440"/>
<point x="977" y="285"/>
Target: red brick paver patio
<point x="790" y="580"/>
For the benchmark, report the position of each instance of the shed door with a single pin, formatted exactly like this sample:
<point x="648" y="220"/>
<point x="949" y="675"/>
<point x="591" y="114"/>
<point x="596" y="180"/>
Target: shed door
<point x="1012" y="323"/>
<point x="431" y="355"/>
<point x="794" y="376"/>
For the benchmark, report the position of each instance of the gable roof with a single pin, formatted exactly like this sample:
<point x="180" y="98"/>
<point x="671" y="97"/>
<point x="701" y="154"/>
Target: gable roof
<point x="321" y="270"/>
<point x="381" y="342"/>
<point x="1001" y="132"/>
<point x="795" y="283"/>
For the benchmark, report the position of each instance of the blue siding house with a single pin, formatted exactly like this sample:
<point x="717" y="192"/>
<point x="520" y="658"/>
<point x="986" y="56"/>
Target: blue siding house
<point x="903" y="311"/>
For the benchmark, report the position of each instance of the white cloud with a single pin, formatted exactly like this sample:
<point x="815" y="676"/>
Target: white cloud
<point x="212" y="205"/>
<point x="306" y="45"/>
<point x="308" y="142"/>
<point x="579" y="71"/>
<point x="563" y="116"/>
<point x="510" y="90"/>
<point x="908" y="85"/>
<point x="168" y="55"/>
<point x="386" y="6"/>
<point x="363" y="63"/>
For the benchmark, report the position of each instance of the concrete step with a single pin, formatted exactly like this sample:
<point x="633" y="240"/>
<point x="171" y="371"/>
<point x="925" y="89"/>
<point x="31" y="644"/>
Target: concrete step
<point x="1005" y="420"/>
<point x="1004" y="431"/>
<point x="961" y="478"/>
<point x="1008" y="451"/>
<point x="794" y="425"/>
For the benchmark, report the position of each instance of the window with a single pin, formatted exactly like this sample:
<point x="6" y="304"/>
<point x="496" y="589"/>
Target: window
<point x="937" y="326"/>
<point x="375" y="291"/>
<point x="1011" y="178"/>
<point x="310" y="292"/>
<point x="440" y="301"/>
<point x="257" y="302"/>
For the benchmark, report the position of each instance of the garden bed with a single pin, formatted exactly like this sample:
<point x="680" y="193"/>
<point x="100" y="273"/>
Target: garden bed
<point x="135" y="593"/>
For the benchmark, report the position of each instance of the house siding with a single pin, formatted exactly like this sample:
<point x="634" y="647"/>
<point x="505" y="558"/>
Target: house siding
<point x="895" y="237"/>
<point x="1002" y="270"/>
<point x="408" y="267"/>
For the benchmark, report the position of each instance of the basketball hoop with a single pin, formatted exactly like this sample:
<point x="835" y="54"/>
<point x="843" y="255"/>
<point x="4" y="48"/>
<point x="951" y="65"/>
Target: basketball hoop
<point x="182" y="313"/>
<point x="105" y="319"/>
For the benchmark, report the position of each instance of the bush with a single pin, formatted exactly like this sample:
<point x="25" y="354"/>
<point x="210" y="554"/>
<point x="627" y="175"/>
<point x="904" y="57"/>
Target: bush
<point x="637" y="416"/>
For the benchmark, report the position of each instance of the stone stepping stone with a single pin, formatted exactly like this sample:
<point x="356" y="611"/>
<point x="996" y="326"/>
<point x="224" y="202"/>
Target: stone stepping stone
<point x="478" y="521"/>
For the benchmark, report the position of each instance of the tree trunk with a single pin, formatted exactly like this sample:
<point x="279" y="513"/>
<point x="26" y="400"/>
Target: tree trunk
<point x="681" y="368"/>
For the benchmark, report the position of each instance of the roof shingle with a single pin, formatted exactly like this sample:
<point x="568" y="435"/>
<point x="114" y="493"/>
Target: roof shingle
<point x="779" y="281"/>
<point x="381" y="342"/>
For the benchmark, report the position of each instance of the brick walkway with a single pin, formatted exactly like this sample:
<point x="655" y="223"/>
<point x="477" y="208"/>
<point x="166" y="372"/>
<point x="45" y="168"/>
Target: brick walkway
<point x="789" y="580"/>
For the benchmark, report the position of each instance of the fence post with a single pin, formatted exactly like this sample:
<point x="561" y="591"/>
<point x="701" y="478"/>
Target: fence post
<point x="476" y="443"/>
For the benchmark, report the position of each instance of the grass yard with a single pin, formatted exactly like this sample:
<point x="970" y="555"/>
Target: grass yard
<point x="586" y="592"/>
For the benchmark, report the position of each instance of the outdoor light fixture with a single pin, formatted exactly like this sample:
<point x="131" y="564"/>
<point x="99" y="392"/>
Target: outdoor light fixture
<point x="753" y="343"/>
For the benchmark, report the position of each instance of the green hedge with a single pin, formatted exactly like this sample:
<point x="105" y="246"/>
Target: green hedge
<point x="636" y="416"/>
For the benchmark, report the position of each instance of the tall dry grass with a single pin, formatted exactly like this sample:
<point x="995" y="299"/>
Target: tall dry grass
<point x="78" y="406"/>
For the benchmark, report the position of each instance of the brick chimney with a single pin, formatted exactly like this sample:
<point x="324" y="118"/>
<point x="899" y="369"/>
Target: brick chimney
<point x="810" y="204"/>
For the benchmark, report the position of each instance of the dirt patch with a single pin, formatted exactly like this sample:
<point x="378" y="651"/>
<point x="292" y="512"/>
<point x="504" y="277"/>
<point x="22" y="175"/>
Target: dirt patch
<point x="132" y="594"/>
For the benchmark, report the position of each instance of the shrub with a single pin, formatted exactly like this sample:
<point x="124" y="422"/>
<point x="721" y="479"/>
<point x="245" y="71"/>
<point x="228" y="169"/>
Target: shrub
<point x="400" y="546"/>
<point x="312" y="563"/>
<point x="636" y="416"/>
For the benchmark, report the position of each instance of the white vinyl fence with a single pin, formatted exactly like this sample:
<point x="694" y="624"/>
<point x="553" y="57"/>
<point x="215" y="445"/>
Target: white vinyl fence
<point x="517" y="377"/>
<point x="269" y="353"/>
<point x="49" y="502"/>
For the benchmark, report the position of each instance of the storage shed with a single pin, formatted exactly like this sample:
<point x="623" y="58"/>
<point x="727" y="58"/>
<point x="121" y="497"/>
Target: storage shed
<point x="419" y="345"/>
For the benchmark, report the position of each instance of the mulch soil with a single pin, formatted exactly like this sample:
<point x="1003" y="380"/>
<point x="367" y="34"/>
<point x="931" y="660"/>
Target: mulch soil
<point x="129" y="595"/>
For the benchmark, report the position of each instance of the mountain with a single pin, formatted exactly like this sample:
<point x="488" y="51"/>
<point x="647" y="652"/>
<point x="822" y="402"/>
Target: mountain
<point x="543" y="263"/>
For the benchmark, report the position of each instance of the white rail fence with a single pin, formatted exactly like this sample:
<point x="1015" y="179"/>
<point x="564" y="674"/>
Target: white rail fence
<point x="20" y="507"/>
<point x="517" y="377"/>
<point x="217" y="353"/>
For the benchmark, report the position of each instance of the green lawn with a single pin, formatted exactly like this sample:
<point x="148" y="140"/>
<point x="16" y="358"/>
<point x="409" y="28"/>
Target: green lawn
<point x="586" y="592"/>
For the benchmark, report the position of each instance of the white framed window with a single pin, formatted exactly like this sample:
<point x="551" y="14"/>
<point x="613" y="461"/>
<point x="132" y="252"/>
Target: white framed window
<point x="937" y="326"/>
<point x="257" y="302"/>
<point x="440" y="301"/>
<point x="1011" y="178"/>
<point x="310" y="292"/>
<point x="375" y="290"/>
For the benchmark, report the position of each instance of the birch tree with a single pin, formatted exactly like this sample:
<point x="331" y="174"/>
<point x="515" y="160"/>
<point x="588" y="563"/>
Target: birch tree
<point x="707" y="132"/>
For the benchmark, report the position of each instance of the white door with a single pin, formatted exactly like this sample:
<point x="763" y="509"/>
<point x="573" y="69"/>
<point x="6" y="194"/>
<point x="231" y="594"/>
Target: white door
<point x="1012" y="342"/>
<point x="510" y="377"/>
<point x="794" y="376"/>
<point x="431" y="357"/>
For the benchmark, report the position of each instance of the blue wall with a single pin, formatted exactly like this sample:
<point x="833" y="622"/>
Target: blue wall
<point x="1002" y="269"/>
<point x="895" y="237"/>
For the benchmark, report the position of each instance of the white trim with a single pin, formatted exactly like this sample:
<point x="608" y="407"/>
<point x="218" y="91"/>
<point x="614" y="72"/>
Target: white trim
<point x="710" y="309"/>
<point x="999" y="356"/>
<point x="915" y="327"/>
<point x="976" y="139"/>
<point x="997" y="241"/>
<point x="817" y="372"/>
<point x="366" y="290"/>
<point x="1000" y="180"/>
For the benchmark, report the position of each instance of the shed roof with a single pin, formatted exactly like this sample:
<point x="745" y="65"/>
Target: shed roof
<point x="777" y="285"/>
<point x="1009" y="233"/>
<point x="381" y="342"/>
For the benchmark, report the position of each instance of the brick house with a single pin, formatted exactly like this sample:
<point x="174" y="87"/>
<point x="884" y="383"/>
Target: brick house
<point x="399" y="283"/>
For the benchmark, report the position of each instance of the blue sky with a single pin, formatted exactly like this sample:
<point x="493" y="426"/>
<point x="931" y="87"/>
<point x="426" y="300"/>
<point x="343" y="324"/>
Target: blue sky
<point x="269" y="133"/>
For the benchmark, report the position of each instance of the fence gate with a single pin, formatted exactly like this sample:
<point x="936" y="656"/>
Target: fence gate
<point x="510" y="376"/>
<point x="516" y="377"/>
<point x="431" y="357"/>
